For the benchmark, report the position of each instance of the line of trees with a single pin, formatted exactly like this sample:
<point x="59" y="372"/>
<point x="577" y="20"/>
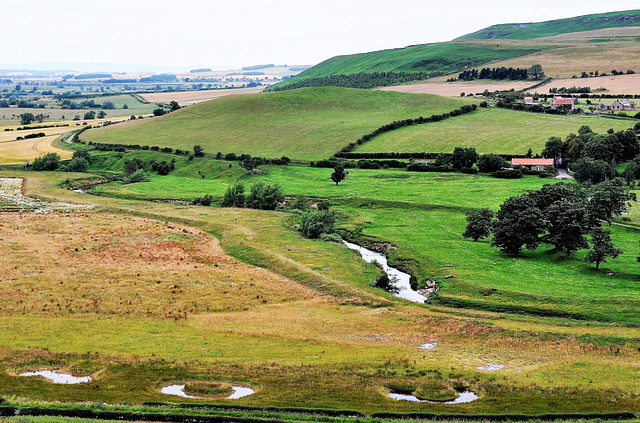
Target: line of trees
<point x="562" y="215"/>
<point x="357" y="80"/>
<point x="494" y="73"/>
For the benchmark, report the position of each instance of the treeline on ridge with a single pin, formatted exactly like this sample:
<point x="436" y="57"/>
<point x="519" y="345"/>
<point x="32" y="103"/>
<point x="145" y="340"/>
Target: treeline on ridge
<point x="494" y="73"/>
<point x="356" y="80"/>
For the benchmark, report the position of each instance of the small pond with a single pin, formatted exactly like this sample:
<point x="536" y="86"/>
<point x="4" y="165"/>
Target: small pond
<point x="394" y="274"/>
<point x="466" y="396"/>
<point x="56" y="377"/>
<point x="238" y="391"/>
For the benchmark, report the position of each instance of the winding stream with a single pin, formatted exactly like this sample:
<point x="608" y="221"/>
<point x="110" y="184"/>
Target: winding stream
<point x="402" y="279"/>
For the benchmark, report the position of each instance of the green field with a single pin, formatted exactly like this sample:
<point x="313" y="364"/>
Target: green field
<point x="490" y="130"/>
<point x="308" y="124"/>
<point x="527" y="31"/>
<point x="423" y="214"/>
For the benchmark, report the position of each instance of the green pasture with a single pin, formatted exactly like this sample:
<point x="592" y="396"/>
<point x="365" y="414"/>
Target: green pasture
<point x="424" y="215"/>
<point x="489" y="130"/>
<point x="306" y="124"/>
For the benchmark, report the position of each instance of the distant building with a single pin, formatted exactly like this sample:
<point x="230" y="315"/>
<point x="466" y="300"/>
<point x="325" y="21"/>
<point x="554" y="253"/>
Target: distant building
<point x="618" y="106"/>
<point x="528" y="100"/>
<point x="533" y="164"/>
<point x="562" y="102"/>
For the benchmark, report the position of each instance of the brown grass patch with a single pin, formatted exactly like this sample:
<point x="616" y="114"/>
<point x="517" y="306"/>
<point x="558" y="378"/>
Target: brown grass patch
<point x="453" y="89"/>
<point x="619" y="84"/>
<point x="78" y="264"/>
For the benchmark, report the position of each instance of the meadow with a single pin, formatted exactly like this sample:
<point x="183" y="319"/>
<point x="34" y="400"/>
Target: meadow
<point x="323" y="338"/>
<point x="489" y="130"/>
<point x="308" y="124"/>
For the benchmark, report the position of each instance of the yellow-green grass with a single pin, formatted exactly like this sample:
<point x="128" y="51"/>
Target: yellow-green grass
<point x="490" y="130"/>
<point x="302" y="124"/>
<point x="349" y="352"/>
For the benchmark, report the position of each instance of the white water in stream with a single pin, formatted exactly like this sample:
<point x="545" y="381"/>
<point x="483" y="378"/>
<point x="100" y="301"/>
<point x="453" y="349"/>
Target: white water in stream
<point x="402" y="279"/>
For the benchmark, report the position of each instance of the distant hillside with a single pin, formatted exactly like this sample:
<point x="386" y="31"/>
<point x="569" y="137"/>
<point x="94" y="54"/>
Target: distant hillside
<point x="425" y="60"/>
<point x="520" y="45"/>
<point x="528" y="31"/>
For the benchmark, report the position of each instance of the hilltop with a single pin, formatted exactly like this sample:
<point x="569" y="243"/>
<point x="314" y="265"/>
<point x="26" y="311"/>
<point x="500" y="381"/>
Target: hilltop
<point x="597" y="40"/>
<point x="528" y="31"/>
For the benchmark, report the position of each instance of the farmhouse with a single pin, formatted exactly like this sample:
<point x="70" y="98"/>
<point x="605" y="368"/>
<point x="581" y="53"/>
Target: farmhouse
<point x="534" y="164"/>
<point x="618" y="106"/>
<point x="562" y="102"/>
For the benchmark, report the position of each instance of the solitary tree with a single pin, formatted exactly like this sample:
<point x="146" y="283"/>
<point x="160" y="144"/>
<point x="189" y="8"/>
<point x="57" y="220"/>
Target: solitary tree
<point x="602" y="247"/>
<point x="479" y="223"/>
<point x="338" y="174"/>
<point x="27" y="118"/>
<point x="463" y="157"/>
<point x="552" y="148"/>
<point x="536" y="72"/>
<point x="174" y="106"/>
<point x="234" y="196"/>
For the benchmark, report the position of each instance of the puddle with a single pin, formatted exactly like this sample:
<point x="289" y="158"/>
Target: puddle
<point x="428" y="346"/>
<point x="56" y="377"/>
<point x="491" y="367"/>
<point x="402" y="278"/>
<point x="238" y="392"/>
<point x="466" y="396"/>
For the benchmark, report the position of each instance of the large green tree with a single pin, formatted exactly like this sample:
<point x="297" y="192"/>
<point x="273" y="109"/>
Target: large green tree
<point x="339" y="174"/>
<point x="519" y="224"/>
<point x="610" y="198"/>
<point x="463" y="157"/>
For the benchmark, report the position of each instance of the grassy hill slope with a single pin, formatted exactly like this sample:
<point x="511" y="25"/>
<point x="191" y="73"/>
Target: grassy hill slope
<point x="307" y="124"/>
<point x="527" y="31"/>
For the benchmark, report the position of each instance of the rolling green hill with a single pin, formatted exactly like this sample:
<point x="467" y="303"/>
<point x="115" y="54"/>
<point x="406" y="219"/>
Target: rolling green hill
<point x="311" y="123"/>
<point x="424" y="61"/>
<point x="527" y="31"/>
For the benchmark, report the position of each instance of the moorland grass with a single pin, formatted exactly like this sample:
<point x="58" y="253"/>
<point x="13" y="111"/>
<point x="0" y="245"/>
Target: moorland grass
<point x="309" y="124"/>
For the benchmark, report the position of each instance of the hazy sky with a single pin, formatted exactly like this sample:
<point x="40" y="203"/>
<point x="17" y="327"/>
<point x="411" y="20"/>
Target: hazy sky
<point x="225" y="34"/>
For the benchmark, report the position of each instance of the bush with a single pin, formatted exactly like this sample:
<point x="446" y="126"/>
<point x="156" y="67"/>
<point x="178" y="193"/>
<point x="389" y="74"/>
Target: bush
<point x="49" y="161"/>
<point x="234" y="196"/>
<point x="139" y="175"/>
<point x="330" y="238"/>
<point x="203" y="201"/>
<point x="316" y="223"/>
<point x="508" y="174"/>
<point x="78" y="164"/>
<point x="264" y="197"/>
<point x="491" y="163"/>
<point x="158" y="112"/>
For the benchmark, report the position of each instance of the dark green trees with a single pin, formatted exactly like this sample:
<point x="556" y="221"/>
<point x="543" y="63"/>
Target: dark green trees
<point x="463" y="157"/>
<point x="479" y="224"/>
<point x="234" y="196"/>
<point x="519" y="224"/>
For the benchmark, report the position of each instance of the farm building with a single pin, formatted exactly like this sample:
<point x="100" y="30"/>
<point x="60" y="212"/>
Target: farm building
<point x="618" y="106"/>
<point x="533" y="164"/>
<point x="562" y="102"/>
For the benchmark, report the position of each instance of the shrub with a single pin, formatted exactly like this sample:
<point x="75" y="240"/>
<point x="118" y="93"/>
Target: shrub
<point x="508" y="174"/>
<point x="316" y="223"/>
<point x="234" y="196"/>
<point x="491" y="163"/>
<point x="139" y="175"/>
<point x="203" y="201"/>
<point x="49" y="161"/>
<point x="330" y="238"/>
<point x="264" y="197"/>
<point x="77" y="164"/>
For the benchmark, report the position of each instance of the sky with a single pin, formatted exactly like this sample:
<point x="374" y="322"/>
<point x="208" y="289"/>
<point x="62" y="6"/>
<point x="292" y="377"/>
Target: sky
<point x="229" y="34"/>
